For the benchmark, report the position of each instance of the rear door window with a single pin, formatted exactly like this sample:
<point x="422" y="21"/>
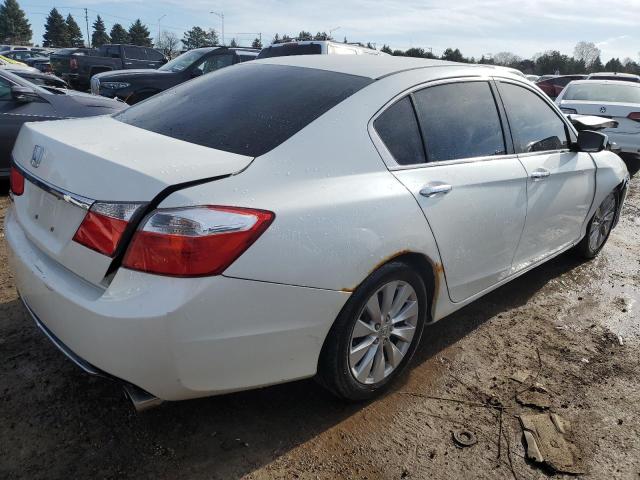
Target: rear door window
<point x="247" y="109"/>
<point x="214" y="62"/>
<point x="134" y="53"/>
<point x="459" y="120"/>
<point x="154" y="55"/>
<point x="398" y="128"/>
<point x="535" y="126"/>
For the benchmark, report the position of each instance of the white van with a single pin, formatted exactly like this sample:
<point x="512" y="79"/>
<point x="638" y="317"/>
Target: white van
<point x="315" y="47"/>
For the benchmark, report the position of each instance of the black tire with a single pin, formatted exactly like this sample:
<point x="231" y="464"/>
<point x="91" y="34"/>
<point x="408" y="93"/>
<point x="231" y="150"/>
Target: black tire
<point x="334" y="371"/>
<point x="585" y="249"/>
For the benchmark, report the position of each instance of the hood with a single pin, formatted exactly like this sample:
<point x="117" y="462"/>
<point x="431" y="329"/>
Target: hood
<point x="80" y="104"/>
<point x="123" y="75"/>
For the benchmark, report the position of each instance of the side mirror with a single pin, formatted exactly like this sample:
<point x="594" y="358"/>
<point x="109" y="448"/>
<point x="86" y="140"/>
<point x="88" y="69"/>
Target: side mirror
<point x="591" y="122"/>
<point x="24" y="94"/>
<point x="591" y="142"/>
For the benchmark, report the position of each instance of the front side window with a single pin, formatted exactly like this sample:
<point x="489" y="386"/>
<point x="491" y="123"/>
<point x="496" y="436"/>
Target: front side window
<point x="459" y="120"/>
<point x="535" y="126"/>
<point x="214" y="62"/>
<point x="5" y="90"/>
<point x="398" y="129"/>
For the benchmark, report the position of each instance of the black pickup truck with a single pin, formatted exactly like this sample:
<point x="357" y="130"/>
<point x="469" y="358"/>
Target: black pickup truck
<point x="78" y="65"/>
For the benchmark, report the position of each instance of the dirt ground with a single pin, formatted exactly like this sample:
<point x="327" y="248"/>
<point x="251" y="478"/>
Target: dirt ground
<point x="581" y="318"/>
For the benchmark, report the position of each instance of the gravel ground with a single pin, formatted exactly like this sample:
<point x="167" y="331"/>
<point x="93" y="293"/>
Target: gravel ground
<point x="564" y="322"/>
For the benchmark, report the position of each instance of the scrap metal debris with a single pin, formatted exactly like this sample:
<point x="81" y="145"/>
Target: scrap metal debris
<point x="547" y="439"/>
<point x="464" y="438"/>
<point x="535" y="396"/>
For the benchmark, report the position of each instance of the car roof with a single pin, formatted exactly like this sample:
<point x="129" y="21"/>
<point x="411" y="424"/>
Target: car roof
<point x="376" y="67"/>
<point x="614" y="74"/>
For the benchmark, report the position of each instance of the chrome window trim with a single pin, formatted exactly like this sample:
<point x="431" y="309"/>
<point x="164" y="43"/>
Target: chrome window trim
<point x="60" y="193"/>
<point x="385" y="154"/>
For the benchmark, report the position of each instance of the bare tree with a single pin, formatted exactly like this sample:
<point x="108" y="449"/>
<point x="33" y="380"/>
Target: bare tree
<point x="587" y="52"/>
<point x="168" y="43"/>
<point x="506" y="58"/>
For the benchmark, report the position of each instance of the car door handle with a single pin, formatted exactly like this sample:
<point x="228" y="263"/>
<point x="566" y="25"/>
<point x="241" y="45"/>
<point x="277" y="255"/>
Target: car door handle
<point x="433" y="190"/>
<point x="540" y="174"/>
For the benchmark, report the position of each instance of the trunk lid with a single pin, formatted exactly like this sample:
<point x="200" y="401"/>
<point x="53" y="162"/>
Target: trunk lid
<point x="76" y="162"/>
<point x="616" y="111"/>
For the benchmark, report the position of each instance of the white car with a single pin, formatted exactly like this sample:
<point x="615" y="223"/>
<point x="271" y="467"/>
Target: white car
<point x="293" y="217"/>
<point x="618" y="100"/>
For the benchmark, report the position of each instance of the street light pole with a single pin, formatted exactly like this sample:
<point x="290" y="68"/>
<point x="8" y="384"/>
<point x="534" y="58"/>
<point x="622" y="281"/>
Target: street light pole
<point x="158" y="41"/>
<point x="221" y="15"/>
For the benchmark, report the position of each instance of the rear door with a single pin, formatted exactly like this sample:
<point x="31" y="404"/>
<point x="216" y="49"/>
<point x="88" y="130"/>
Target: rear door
<point x="560" y="184"/>
<point x="455" y="161"/>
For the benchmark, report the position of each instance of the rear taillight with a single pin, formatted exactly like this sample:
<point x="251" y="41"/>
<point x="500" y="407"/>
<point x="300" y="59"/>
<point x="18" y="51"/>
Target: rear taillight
<point x="73" y="63"/>
<point x="194" y="241"/>
<point x="634" y="116"/>
<point x="103" y="226"/>
<point x="16" y="181"/>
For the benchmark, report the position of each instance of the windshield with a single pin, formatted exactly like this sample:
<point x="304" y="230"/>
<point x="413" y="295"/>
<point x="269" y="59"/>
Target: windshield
<point x="182" y="62"/>
<point x="248" y="109"/>
<point x="288" y="49"/>
<point x="602" y="92"/>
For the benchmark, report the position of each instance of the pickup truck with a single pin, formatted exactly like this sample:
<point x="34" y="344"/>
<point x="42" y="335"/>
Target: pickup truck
<point x="78" y="65"/>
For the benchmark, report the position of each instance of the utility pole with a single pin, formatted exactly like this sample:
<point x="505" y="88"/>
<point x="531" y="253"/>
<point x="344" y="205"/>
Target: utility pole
<point x="221" y="15"/>
<point x="86" y="18"/>
<point x="158" y="40"/>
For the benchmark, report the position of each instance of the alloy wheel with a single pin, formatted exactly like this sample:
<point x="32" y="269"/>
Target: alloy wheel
<point x="602" y="222"/>
<point x="383" y="332"/>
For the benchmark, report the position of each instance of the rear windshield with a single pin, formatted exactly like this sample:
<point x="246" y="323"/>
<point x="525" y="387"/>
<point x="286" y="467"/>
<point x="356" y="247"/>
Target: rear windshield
<point x="599" y="92"/>
<point x="288" y="49"/>
<point x="248" y="109"/>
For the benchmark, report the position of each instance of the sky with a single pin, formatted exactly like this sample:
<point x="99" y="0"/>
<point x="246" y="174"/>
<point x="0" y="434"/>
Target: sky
<point x="476" y="27"/>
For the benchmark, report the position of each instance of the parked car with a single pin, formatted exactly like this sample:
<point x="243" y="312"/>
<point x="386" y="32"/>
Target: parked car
<point x="23" y="101"/>
<point x="39" y="60"/>
<point x="618" y="100"/>
<point x="133" y="86"/>
<point x="177" y="262"/>
<point x="42" y="79"/>
<point x="77" y="66"/>
<point x="626" y="77"/>
<point x="553" y="86"/>
<point x="316" y="47"/>
<point x="11" y="48"/>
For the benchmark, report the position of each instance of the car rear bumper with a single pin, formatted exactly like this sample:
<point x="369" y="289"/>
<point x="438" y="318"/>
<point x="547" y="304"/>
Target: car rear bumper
<point x="627" y="142"/>
<point x="176" y="338"/>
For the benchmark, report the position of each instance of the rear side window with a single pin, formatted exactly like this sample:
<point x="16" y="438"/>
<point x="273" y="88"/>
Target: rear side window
<point x="459" y="120"/>
<point x="247" y="109"/>
<point x="398" y="129"/>
<point x="535" y="126"/>
<point x="288" y="49"/>
<point x="134" y="53"/>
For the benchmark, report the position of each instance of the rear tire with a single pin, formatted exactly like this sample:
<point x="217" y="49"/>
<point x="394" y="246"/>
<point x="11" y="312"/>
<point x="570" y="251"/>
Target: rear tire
<point x="599" y="228"/>
<point x="376" y="334"/>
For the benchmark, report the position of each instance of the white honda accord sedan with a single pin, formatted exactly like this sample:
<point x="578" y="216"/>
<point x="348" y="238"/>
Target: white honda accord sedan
<point x="295" y="217"/>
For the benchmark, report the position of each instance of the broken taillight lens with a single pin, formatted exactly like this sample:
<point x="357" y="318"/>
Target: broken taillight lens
<point x="103" y="226"/>
<point x="194" y="241"/>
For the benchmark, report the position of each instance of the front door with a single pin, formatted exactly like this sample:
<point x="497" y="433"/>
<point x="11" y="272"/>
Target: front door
<point x="560" y="184"/>
<point x="473" y="194"/>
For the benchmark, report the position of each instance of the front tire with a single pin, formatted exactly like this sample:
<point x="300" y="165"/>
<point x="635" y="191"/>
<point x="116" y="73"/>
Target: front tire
<point x="599" y="228"/>
<point x="376" y="333"/>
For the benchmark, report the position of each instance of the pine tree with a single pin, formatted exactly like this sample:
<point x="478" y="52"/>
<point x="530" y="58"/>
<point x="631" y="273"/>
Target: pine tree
<point x="197" y="38"/>
<point x="74" y="34"/>
<point x="233" y="43"/>
<point x="99" y="36"/>
<point x="386" y="49"/>
<point x="276" y="39"/>
<point x="139" y="34"/>
<point x="119" y="34"/>
<point x="55" y="30"/>
<point x="257" y="43"/>
<point x="14" y="27"/>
